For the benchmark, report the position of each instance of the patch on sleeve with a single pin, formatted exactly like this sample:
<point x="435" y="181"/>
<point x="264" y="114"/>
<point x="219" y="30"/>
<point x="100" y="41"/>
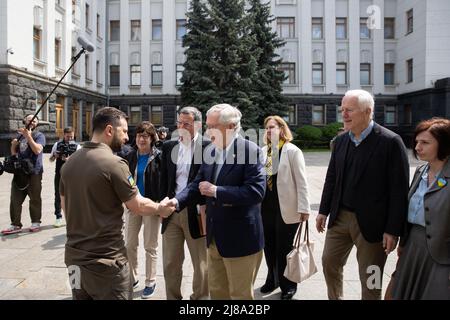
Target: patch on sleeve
<point x="131" y="181"/>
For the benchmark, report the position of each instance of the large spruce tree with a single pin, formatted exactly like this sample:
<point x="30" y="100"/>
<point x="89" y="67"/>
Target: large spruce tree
<point x="198" y="89"/>
<point x="268" y="85"/>
<point x="230" y="58"/>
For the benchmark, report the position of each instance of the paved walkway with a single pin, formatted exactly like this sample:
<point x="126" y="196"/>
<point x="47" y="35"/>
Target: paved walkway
<point x="32" y="264"/>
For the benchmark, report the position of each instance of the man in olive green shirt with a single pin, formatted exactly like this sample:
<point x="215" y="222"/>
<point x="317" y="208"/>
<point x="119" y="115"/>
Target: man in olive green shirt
<point x="94" y="185"/>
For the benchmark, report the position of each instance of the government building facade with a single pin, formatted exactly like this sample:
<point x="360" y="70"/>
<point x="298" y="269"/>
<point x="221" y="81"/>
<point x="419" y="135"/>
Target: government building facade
<point x="399" y="50"/>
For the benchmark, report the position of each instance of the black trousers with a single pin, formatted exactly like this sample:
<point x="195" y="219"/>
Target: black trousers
<point x="57" y="196"/>
<point x="278" y="237"/>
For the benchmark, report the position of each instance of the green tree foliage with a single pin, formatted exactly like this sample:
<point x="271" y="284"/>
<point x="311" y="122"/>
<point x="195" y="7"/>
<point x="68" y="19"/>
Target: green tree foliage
<point x="230" y="58"/>
<point x="269" y="78"/>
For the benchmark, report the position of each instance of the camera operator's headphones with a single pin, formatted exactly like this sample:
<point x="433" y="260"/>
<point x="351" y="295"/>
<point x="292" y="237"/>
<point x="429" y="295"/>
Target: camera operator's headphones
<point x="26" y="116"/>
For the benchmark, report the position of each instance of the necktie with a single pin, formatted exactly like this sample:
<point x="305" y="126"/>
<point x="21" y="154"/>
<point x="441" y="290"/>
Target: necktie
<point x="268" y="166"/>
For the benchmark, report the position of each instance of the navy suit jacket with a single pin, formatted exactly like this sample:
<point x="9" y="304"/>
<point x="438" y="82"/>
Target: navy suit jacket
<point x="234" y="217"/>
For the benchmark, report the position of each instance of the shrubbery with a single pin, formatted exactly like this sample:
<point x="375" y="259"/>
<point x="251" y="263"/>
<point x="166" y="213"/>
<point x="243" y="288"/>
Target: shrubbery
<point x="311" y="137"/>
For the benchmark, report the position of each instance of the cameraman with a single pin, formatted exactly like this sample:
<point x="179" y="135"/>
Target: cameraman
<point x="61" y="151"/>
<point x="28" y="148"/>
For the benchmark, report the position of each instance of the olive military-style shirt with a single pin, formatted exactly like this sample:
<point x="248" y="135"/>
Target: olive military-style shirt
<point x="95" y="183"/>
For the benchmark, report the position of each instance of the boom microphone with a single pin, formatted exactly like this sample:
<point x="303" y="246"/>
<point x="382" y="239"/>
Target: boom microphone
<point x="86" y="45"/>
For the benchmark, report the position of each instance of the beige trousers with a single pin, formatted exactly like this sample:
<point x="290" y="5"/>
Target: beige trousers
<point x="339" y="241"/>
<point x="133" y="223"/>
<point x="232" y="278"/>
<point x="174" y="237"/>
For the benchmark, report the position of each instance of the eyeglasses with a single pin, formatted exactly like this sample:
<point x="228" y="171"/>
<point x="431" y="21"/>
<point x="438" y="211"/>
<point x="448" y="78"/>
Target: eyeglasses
<point x="184" y="124"/>
<point x="143" y="136"/>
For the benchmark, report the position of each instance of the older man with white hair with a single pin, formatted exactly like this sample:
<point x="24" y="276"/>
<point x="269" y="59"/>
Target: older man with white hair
<point x="365" y="196"/>
<point x="233" y="183"/>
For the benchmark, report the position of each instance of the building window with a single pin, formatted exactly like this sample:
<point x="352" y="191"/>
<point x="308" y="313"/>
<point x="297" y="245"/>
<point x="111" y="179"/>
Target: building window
<point x="341" y="28"/>
<point x="97" y="71"/>
<point x="390" y="115"/>
<point x="114" y="28"/>
<point x="156" y="29"/>
<point x="98" y="26"/>
<point x="57" y="53"/>
<point x="87" y="69"/>
<point x="75" y="69"/>
<point x="135" y="76"/>
<point x="407" y="114"/>
<point x="409" y="70"/>
<point x="181" y="28"/>
<point x="339" y="114"/>
<point x="409" y="21"/>
<point x="43" y="114"/>
<point x="389" y="74"/>
<point x="286" y="27"/>
<point x="157" y="70"/>
<point x="289" y="72"/>
<point x="156" y="116"/>
<point x="180" y="69"/>
<point x="341" y="73"/>
<point x="389" y="28"/>
<point x="37" y="43"/>
<point x="364" y="32"/>
<point x="114" y="76"/>
<point x="318" y="115"/>
<point x="291" y="117"/>
<point x="74" y="10"/>
<point x="317" y="28"/>
<point x="364" y="74"/>
<point x="317" y="73"/>
<point x="135" y="115"/>
<point x="87" y="13"/>
<point x="135" y="30"/>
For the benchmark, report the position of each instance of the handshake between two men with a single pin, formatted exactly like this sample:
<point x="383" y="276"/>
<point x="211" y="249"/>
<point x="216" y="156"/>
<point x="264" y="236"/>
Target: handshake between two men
<point x="206" y="189"/>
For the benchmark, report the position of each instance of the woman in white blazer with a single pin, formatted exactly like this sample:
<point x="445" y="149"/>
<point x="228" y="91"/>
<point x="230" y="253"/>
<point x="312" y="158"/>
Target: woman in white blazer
<point x="285" y="203"/>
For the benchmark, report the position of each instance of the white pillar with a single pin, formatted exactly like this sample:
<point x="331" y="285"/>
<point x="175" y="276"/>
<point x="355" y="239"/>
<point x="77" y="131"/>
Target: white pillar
<point x="124" y="47"/>
<point x="354" y="43"/>
<point x="378" y="52"/>
<point x="330" y="45"/>
<point x="168" y="54"/>
<point x="145" y="47"/>
<point x="305" y="47"/>
<point x="49" y="37"/>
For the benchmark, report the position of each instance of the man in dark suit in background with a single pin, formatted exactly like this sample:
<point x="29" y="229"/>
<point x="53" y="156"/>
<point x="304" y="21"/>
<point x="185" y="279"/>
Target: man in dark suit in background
<point x="365" y="196"/>
<point x="181" y="160"/>
<point x="232" y="180"/>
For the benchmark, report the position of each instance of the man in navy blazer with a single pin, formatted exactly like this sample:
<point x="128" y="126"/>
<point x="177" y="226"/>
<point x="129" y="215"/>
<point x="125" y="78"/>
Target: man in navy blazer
<point x="233" y="183"/>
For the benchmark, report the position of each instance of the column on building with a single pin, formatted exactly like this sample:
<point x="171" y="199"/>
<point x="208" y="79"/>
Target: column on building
<point x="353" y="18"/>
<point x="146" y="24"/>
<point x="330" y="45"/>
<point x="168" y="54"/>
<point x="124" y="50"/>
<point x="49" y="41"/>
<point x="305" y="48"/>
<point x="378" y="49"/>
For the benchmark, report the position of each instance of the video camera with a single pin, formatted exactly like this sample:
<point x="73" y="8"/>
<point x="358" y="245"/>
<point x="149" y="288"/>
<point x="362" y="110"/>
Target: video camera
<point x="14" y="165"/>
<point x="66" y="149"/>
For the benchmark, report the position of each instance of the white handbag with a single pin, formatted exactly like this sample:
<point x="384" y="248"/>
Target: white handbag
<point x="300" y="261"/>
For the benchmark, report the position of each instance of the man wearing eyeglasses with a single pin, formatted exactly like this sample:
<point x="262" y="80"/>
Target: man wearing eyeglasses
<point x="365" y="196"/>
<point x="181" y="160"/>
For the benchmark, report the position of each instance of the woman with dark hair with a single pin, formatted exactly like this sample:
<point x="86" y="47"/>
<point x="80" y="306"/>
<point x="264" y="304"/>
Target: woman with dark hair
<point x="144" y="161"/>
<point x="423" y="268"/>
